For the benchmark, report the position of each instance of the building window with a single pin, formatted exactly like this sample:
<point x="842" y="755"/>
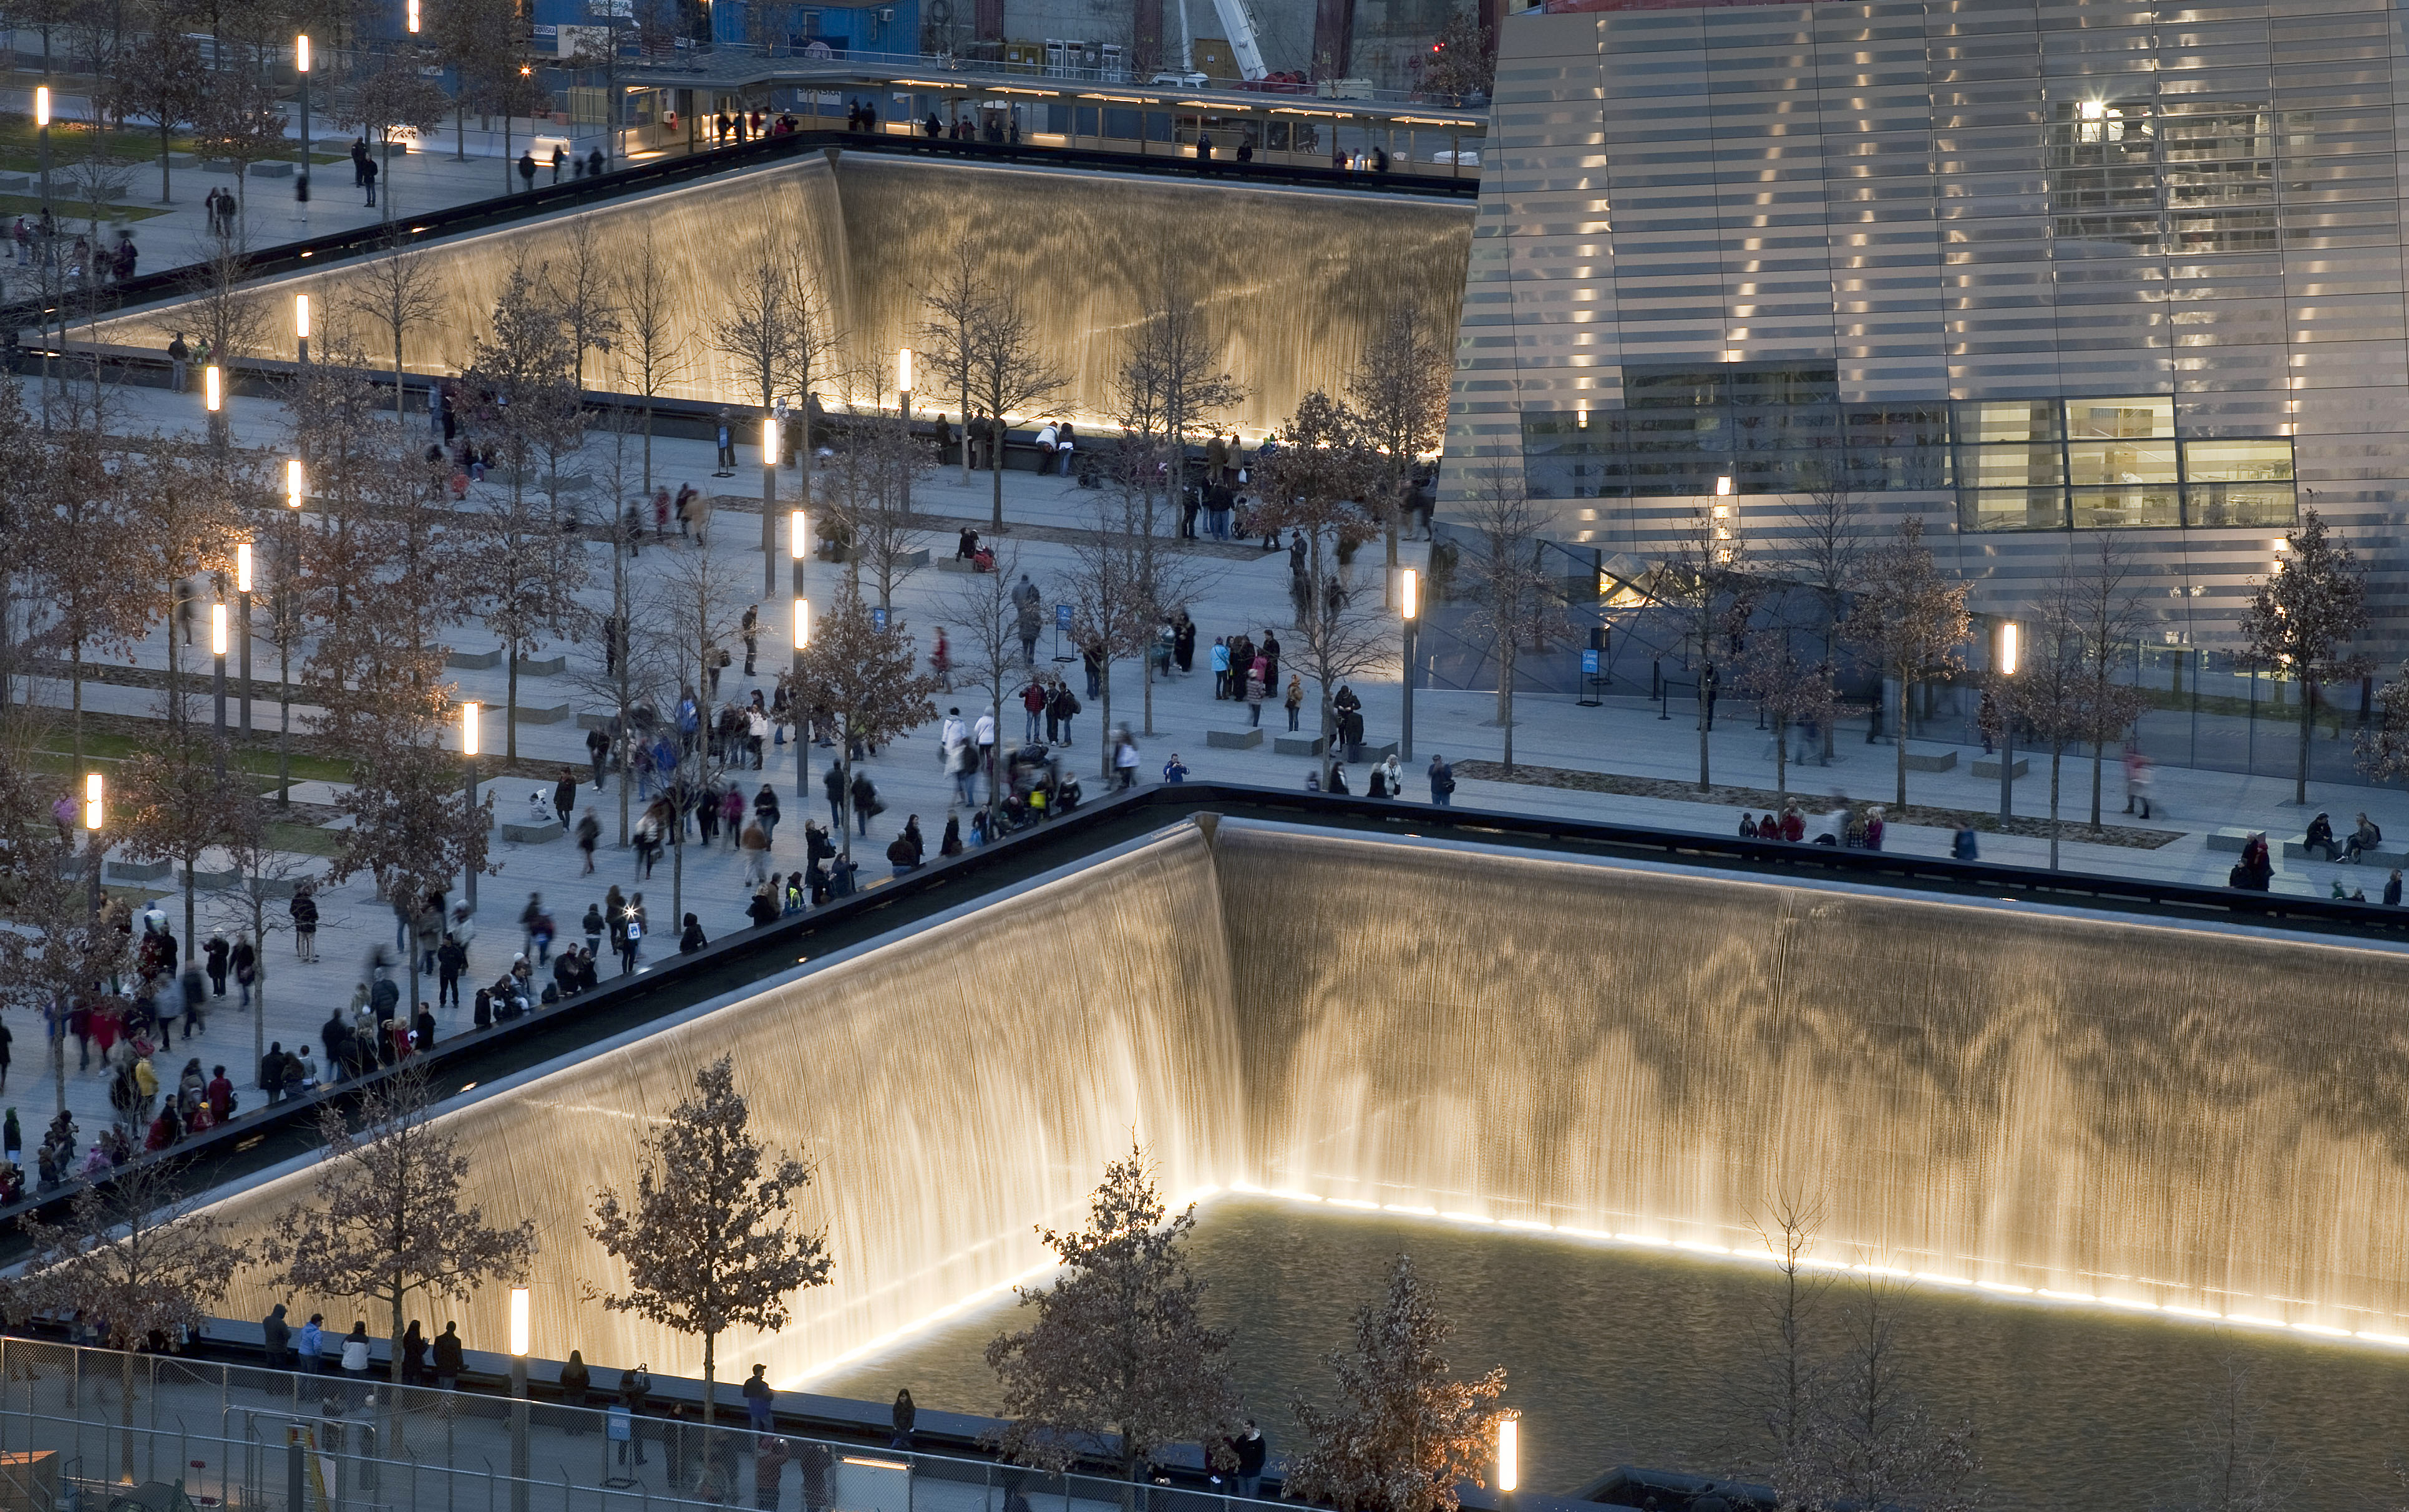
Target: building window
<point x="1770" y="427"/>
<point x="2110" y="464"/>
<point x="2166" y="176"/>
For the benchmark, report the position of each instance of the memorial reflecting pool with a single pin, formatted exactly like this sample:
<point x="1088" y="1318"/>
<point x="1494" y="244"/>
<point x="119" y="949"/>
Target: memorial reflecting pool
<point x="1621" y="1356"/>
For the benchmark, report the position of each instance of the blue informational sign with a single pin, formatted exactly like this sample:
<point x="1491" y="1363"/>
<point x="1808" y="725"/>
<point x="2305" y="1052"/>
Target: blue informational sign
<point x="878" y="619"/>
<point x="1589" y="662"/>
<point x="1062" y="616"/>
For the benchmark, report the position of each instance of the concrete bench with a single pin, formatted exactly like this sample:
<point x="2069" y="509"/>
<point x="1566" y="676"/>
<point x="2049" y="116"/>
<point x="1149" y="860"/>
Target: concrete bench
<point x="18" y="183"/>
<point x="474" y="661"/>
<point x="595" y="721"/>
<point x="2382" y="856"/>
<point x="544" y="715"/>
<point x="271" y="171"/>
<point x="957" y="564"/>
<point x="179" y="162"/>
<point x="1945" y="761"/>
<point x="541" y="665"/>
<point x="532" y="834"/>
<point x="2229" y="838"/>
<point x="135" y="871"/>
<point x="1370" y="750"/>
<point x="215" y="881"/>
<point x="911" y="561"/>
<point x="1989" y="767"/>
<point x="1236" y="740"/>
<point x="1303" y="745"/>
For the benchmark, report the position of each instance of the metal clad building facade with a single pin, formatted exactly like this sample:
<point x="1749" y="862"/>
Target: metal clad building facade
<point x="2028" y="270"/>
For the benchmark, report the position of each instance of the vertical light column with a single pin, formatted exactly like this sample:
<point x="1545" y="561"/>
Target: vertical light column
<point x="243" y="618"/>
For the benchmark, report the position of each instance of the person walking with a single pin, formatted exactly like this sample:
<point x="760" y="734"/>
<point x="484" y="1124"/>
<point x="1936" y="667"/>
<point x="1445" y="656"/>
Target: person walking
<point x="564" y="799"/>
<point x="589" y="834"/>
<point x="755" y="846"/>
<point x="1060" y="709"/>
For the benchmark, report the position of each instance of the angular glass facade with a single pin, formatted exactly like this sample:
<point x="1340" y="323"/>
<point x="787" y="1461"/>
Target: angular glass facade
<point x="2014" y="267"/>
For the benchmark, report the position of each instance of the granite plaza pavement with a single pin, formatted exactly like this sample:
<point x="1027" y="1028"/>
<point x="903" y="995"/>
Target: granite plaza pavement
<point x="1241" y="589"/>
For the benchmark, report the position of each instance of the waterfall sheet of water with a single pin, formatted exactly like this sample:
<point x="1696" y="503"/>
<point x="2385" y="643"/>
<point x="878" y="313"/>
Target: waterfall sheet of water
<point x="1292" y="282"/>
<point x="2046" y="1102"/>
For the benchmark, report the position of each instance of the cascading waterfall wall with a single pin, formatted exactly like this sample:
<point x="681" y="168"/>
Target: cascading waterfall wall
<point x="953" y="1089"/>
<point x="1986" y="1094"/>
<point x="1292" y="284"/>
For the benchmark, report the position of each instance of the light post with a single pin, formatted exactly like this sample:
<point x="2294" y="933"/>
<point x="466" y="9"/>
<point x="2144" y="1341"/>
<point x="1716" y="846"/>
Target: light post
<point x="797" y="543"/>
<point x="519" y="1399"/>
<point x="285" y="582"/>
<point x="213" y="397"/>
<point x="470" y="716"/>
<point x="93" y="813"/>
<point x="301" y="66"/>
<point x="301" y="328"/>
<point x="769" y="505"/>
<point x="2005" y="663"/>
<point x="903" y="386"/>
<point x="1410" y="608"/>
<point x="1510" y="1453"/>
<point x="242" y="616"/>
<point x="218" y="654"/>
<point x="42" y="131"/>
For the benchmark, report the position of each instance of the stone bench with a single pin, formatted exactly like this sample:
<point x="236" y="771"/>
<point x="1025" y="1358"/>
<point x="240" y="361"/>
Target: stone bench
<point x="532" y="834"/>
<point x="1989" y="767"/>
<point x="912" y="561"/>
<point x="474" y="661"/>
<point x="957" y="564"/>
<point x="2384" y="857"/>
<point x="595" y="721"/>
<point x="544" y="715"/>
<point x="215" y="881"/>
<point x="2229" y="838"/>
<point x="541" y="665"/>
<point x="1945" y="761"/>
<point x="1303" y="745"/>
<point x="1236" y="740"/>
<point x="132" y="873"/>
<point x="271" y="171"/>
<point x="1371" y="751"/>
<point x="18" y="183"/>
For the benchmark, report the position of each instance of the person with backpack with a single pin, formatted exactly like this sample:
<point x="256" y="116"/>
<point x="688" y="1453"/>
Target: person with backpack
<point x="1442" y="781"/>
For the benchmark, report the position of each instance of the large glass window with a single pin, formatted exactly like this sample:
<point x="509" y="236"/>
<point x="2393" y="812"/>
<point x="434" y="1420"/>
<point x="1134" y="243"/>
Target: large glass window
<point x="2166" y="175"/>
<point x="2110" y="464"/>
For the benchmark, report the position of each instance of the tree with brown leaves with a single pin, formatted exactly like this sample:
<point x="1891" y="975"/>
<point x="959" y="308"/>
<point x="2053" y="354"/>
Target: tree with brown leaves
<point x="706" y="1241"/>
<point x="388" y="1217"/>
<point x="1399" y="387"/>
<point x="1315" y="487"/>
<point x="1515" y="601"/>
<point x="2301" y="620"/>
<point x="1118" y="1360"/>
<point x="1406" y="1432"/>
<point x="867" y="678"/>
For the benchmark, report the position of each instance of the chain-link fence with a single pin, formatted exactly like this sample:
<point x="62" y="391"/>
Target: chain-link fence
<point x="78" y="1427"/>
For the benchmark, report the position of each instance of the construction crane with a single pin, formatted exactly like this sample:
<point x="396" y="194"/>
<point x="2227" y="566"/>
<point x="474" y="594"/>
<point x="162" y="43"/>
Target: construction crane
<point x="1240" y="24"/>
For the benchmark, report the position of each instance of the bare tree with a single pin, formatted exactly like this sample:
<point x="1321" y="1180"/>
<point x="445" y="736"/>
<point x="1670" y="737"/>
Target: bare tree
<point x="1119" y="1344"/>
<point x="1514" y="600"/>
<point x="1911" y="618"/>
<point x="957" y="303"/>
<point x="651" y="352"/>
<point x="88" y="547"/>
<point x="1793" y="1383"/>
<point x="137" y="1260"/>
<point x="1829" y="533"/>
<point x="706" y="1238"/>
<point x="1009" y="372"/>
<point x="988" y="651"/>
<point x="1406" y="1432"/>
<point x="1315" y="487"/>
<point x="692" y="621"/>
<point x="388" y="1216"/>
<point x="384" y="102"/>
<point x="1112" y="615"/>
<point x="778" y="333"/>
<point x="2236" y="1465"/>
<point x="526" y="569"/>
<point x="1170" y="379"/>
<point x="870" y="487"/>
<point x="398" y="290"/>
<point x="178" y="801"/>
<point x="2301" y="621"/>
<point x="2103" y="608"/>
<point x="1792" y="689"/>
<point x="413" y="827"/>
<point x="478" y="39"/>
<point x="1873" y="1445"/>
<point x="523" y="366"/>
<point x="163" y="78"/>
<point x="241" y="120"/>
<point x="1696" y="584"/>
<point x="1399" y="387"/>
<point x="866" y="678"/>
<point x="585" y="296"/>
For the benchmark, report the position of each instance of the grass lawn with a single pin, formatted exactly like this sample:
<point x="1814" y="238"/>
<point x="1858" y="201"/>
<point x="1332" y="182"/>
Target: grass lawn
<point x="74" y="224"/>
<point x="21" y="145"/>
<point x="103" y="750"/>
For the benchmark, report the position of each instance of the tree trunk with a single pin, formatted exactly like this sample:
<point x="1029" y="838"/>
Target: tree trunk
<point x="400" y="417"/>
<point x="677" y="858"/>
<point x="510" y="705"/>
<point x="1898" y="739"/>
<point x="2308" y="721"/>
<point x="460" y="129"/>
<point x="1146" y="681"/>
<point x="1781" y="763"/>
<point x="74" y="675"/>
<point x="2098" y="758"/>
<point x="710" y="1374"/>
<point x="2057" y="751"/>
<point x="259" y="972"/>
<point x="164" y="144"/>
<point x="189" y="949"/>
<point x="1704" y="785"/>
